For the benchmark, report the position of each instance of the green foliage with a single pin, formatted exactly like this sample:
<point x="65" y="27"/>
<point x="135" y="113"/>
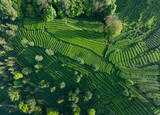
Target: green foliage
<point x="110" y="19"/>
<point x="51" y="111"/>
<point x="27" y="71"/>
<point x="38" y="58"/>
<point x="114" y="29"/>
<point x="25" y="43"/>
<point x="80" y="61"/>
<point x="88" y="96"/>
<point x="17" y="75"/>
<point x="150" y="22"/>
<point x="8" y="30"/>
<point x="125" y="93"/>
<point x="23" y="107"/>
<point x="98" y="6"/>
<point x="31" y="44"/>
<point x="31" y="105"/>
<point x="7" y="11"/>
<point x="14" y="94"/>
<point x="62" y="85"/>
<point x="95" y="67"/>
<point x="113" y="1"/>
<point x="49" y="52"/>
<point x="49" y="14"/>
<point x="53" y="89"/>
<point x="91" y="111"/>
<point x="30" y="12"/>
<point x="77" y="112"/>
<point x="129" y="82"/>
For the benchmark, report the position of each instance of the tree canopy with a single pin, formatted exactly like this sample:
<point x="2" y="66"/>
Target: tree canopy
<point x="91" y="111"/>
<point x="7" y="11"/>
<point x="115" y="28"/>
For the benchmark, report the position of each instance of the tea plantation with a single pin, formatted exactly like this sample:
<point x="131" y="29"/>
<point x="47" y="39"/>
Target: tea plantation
<point x="77" y="65"/>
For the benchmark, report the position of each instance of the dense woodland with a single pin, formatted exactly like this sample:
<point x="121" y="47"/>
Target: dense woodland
<point x="80" y="57"/>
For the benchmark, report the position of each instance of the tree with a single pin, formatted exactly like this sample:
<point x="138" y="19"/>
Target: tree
<point x="14" y="94"/>
<point x="38" y="58"/>
<point x="49" y="14"/>
<point x="88" y="96"/>
<point x="7" y="30"/>
<point x="30" y="11"/>
<point x="95" y="67"/>
<point x="80" y="61"/>
<point x="43" y="4"/>
<point x="114" y="29"/>
<point x="17" y="75"/>
<point x="77" y="112"/>
<point x="2" y="41"/>
<point x="31" y="105"/>
<point x="38" y="111"/>
<point x="129" y="82"/>
<point x="49" y="52"/>
<point x="27" y="71"/>
<point x="91" y="111"/>
<point x="17" y="83"/>
<point x="23" y="107"/>
<point x="98" y="6"/>
<point x="38" y="66"/>
<point x="53" y="89"/>
<point x="110" y="19"/>
<point x="125" y="93"/>
<point x="113" y="1"/>
<point x="25" y="42"/>
<point x="12" y="27"/>
<point x="113" y="9"/>
<point x="7" y="11"/>
<point x="62" y="85"/>
<point x="31" y="44"/>
<point x="8" y="47"/>
<point x="51" y="111"/>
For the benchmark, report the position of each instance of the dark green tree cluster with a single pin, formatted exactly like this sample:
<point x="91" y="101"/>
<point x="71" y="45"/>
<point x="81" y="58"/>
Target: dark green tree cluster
<point x="7" y="30"/>
<point x="72" y="8"/>
<point x="50" y="9"/>
<point x="7" y="11"/>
